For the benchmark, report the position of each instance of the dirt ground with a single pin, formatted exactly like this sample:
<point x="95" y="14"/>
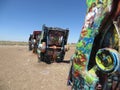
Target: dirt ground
<point x="20" y="70"/>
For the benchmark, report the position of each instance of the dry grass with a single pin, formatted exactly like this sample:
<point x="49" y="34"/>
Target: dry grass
<point x="13" y="43"/>
<point x="23" y="43"/>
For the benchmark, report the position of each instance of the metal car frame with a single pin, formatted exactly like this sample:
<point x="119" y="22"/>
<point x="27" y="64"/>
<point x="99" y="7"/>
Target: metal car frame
<point x="52" y="44"/>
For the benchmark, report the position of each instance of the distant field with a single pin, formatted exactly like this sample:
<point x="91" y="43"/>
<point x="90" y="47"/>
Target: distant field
<point x="13" y="43"/>
<point x="23" y="43"/>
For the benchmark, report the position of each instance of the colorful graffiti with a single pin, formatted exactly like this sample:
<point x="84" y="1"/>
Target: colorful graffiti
<point x="108" y="60"/>
<point x="97" y="13"/>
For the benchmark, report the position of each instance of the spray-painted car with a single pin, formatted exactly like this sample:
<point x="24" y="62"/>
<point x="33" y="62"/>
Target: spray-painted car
<point x="33" y="41"/>
<point x="95" y="64"/>
<point x="52" y="44"/>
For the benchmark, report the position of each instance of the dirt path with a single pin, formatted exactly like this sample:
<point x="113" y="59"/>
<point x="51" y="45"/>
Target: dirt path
<point x="19" y="70"/>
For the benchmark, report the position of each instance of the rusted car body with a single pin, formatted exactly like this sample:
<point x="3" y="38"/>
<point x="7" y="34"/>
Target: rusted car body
<point x="52" y="44"/>
<point x="33" y="40"/>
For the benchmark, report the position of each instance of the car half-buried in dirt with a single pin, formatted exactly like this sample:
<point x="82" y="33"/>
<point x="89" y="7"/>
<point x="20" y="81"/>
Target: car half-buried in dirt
<point x="96" y="61"/>
<point x="33" y="41"/>
<point x="52" y="44"/>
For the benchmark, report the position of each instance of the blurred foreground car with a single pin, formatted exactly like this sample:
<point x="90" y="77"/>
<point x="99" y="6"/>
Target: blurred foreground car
<point x="95" y="64"/>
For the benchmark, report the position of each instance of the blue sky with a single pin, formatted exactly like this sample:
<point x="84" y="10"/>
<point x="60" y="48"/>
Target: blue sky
<point x="19" y="18"/>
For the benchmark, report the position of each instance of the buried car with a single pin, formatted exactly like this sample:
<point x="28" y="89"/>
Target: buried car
<point x="53" y="44"/>
<point x="33" y="41"/>
<point x="95" y="64"/>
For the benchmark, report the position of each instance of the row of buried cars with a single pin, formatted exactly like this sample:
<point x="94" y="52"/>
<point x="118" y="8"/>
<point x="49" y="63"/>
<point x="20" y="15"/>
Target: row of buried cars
<point x="96" y="61"/>
<point x="50" y="44"/>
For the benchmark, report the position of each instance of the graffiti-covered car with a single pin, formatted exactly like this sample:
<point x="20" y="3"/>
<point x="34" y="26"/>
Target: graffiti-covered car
<point x="33" y="41"/>
<point x="52" y="44"/>
<point x="95" y="64"/>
